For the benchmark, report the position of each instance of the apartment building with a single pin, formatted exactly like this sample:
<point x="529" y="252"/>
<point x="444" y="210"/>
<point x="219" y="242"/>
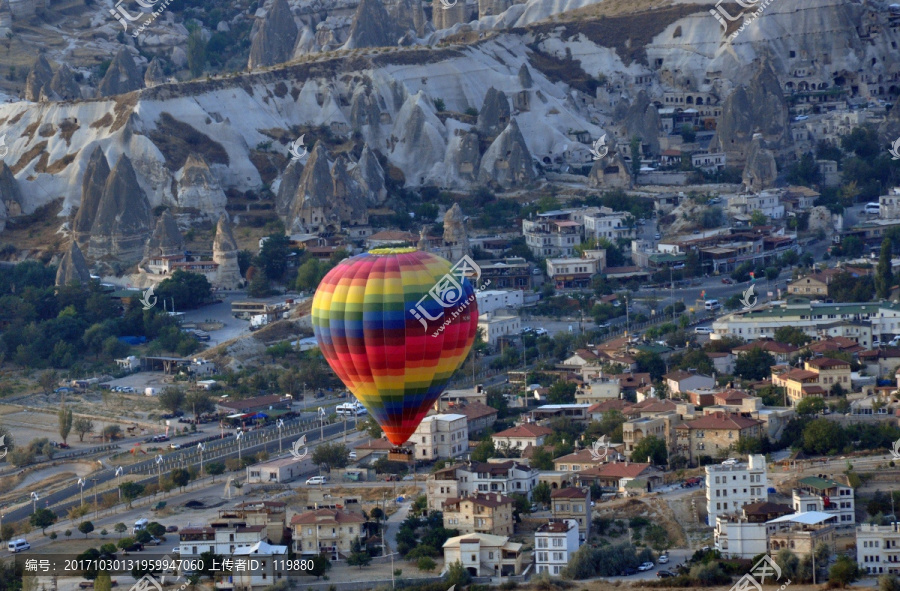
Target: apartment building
<point x="730" y="487"/>
<point x="440" y="486"/>
<point x="484" y="555"/>
<point x="817" y="378"/>
<point x="817" y="493"/>
<point x="266" y="567"/>
<point x="609" y="224"/>
<point x="746" y="534"/>
<point x="270" y="514"/>
<point x="554" y="545"/>
<point x="326" y="531"/>
<point x="573" y="503"/>
<point x="221" y="540"/>
<point x="878" y="548"/>
<point x="712" y="434"/>
<point x="496" y="477"/>
<point x="497" y="325"/>
<point x="808" y="317"/>
<point x="576" y="272"/>
<point x="521" y="436"/>
<point x="441" y="437"/>
<point x="553" y="234"/>
<point x="480" y="513"/>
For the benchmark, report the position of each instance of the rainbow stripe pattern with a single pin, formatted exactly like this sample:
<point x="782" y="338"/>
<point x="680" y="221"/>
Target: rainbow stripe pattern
<point x="395" y="324"/>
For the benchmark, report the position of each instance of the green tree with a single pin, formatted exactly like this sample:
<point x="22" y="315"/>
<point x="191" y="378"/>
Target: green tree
<point x="457" y="575"/>
<point x="652" y="363"/>
<point x="650" y="449"/>
<point x="64" y="422"/>
<point x="562" y="392"/>
<point x="171" y="399"/>
<point x="635" y="146"/>
<point x="754" y="364"/>
<point x="426" y="564"/>
<point x="309" y="275"/>
<point x="199" y="402"/>
<point x="320" y="566"/>
<point x="370" y="426"/>
<point x="180" y="477"/>
<point x="188" y="290"/>
<point x="811" y="405"/>
<point x="888" y="582"/>
<point x="196" y="52"/>
<point x="791" y="335"/>
<point x="120" y="528"/>
<point x="359" y="559"/>
<point x="758" y="218"/>
<point x="42" y="518"/>
<point x="541" y="493"/>
<point x="843" y="572"/>
<point x="102" y="582"/>
<point x="48" y="380"/>
<point x="884" y="277"/>
<point x="156" y="529"/>
<point x="131" y="491"/>
<point x="331" y="455"/>
<point x="82" y="426"/>
<point x="483" y="451"/>
<point x="273" y="256"/>
<point x="822" y="437"/>
<point x="85" y="527"/>
<point x="214" y="469"/>
<point x="541" y="459"/>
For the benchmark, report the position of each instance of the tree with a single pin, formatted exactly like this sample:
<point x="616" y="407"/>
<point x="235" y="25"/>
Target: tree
<point x="188" y="290"/>
<point x="131" y="491"/>
<point x="791" y="335"/>
<point x="888" y="582"/>
<point x="85" y="527"/>
<point x="47" y="381"/>
<point x="273" y="256"/>
<point x="426" y="563"/>
<point x="754" y="364"/>
<point x="120" y="528"/>
<point x="180" y="477"/>
<point x="196" y="52"/>
<point x="541" y="459"/>
<point x="82" y="426"/>
<point x="562" y="393"/>
<point x="331" y="455"/>
<point x="483" y="451"/>
<point x="635" y="146"/>
<point x="309" y="275"/>
<point x="200" y="403"/>
<point x="320" y="566"/>
<point x="758" y="218"/>
<point x="214" y="469"/>
<point x="812" y="405"/>
<point x="125" y="543"/>
<point x="884" y="277"/>
<point x="457" y="575"/>
<point x="822" y="436"/>
<point x="111" y="432"/>
<point x="651" y="363"/>
<point x="171" y="399"/>
<point x="42" y="518"/>
<point x="541" y="493"/>
<point x="843" y="572"/>
<point x="64" y="422"/>
<point x="650" y="449"/>
<point x="359" y="559"/>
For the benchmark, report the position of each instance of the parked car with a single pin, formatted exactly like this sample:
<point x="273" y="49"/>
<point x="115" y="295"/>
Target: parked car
<point x="540" y="331"/>
<point x="730" y="462"/>
<point x="136" y="547"/>
<point x="352" y="455"/>
<point x="663" y="559"/>
<point x="171" y="528"/>
<point x="656" y="236"/>
<point x="316" y="480"/>
<point x="645" y="566"/>
<point x="664" y="574"/>
<point x="728" y="281"/>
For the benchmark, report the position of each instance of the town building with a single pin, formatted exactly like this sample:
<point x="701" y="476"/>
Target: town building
<point x="801" y="533"/>
<point x="598" y="390"/>
<point x="441" y="437"/>
<point x="729" y="487"/>
<point x="491" y="300"/>
<point x="480" y="513"/>
<point x="270" y="514"/>
<point x="265" y="566"/>
<point x="815" y="493"/>
<point x="583" y="459"/>
<point x="498" y="325"/>
<point x="576" y="272"/>
<point x="713" y="434"/>
<point x="479" y="417"/>
<point x="878" y="548"/>
<point x="553" y="234"/>
<point x="505" y="477"/>
<point x="484" y="555"/>
<point x="618" y="477"/>
<point x="609" y="224"/>
<point x="521" y="436"/>
<point x="681" y="381"/>
<point x="508" y="273"/>
<point x="440" y="486"/>
<point x="254" y="405"/>
<point x="194" y="541"/>
<point x="818" y="377"/>
<point x="277" y="470"/>
<point x="746" y="534"/>
<point x="326" y="531"/>
<point x="573" y="503"/>
<point x="554" y="544"/>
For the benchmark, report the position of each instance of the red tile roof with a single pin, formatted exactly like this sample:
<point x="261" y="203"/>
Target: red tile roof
<point x="474" y="410"/>
<point x="768" y="345"/>
<point x="571" y="492"/>
<point x="611" y="404"/>
<point x="616" y="470"/>
<point x="523" y="431"/>
<point x="719" y="420"/>
<point x="485" y="500"/>
<point x="827" y="362"/>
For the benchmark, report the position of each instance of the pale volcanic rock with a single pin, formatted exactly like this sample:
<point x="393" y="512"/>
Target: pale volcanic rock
<point x="525" y="78"/>
<point x="274" y="41"/>
<point x="641" y="119"/>
<point x="62" y="87"/>
<point x="372" y="27"/>
<point x="494" y="114"/>
<point x="369" y="174"/>
<point x="122" y="76"/>
<point x="287" y="187"/>
<point x="610" y="172"/>
<point x="4" y="215"/>
<point x="419" y="139"/>
<point x="760" y="171"/>
<point x="122" y="224"/>
<point x="94" y="180"/>
<point x="166" y="239"/>
<point x="463" y="158"/>
<point x="154" y="74"/>
<point x="73" y="267"/>
<point x="456" y="239"/>
<point x="39" y="76"/>
<point x="225" y="254"/>
<point x="198" y="188"/>
<point x="349" y="198"/>
<point x="312" y="206"/>
<point x="507" y="161"/>
<point x="10" y="194"/>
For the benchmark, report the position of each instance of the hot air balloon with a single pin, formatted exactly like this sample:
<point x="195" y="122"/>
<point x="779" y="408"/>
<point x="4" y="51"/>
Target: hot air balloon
<point x="394" y="324"/>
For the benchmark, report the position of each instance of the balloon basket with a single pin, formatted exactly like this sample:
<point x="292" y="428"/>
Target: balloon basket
<point x="398" y="454"/>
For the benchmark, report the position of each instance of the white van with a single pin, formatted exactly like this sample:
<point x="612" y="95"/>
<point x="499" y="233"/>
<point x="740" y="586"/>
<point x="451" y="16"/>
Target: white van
<point x="19" y="545"/>
<point x="873" y="208"/>
<point x="711" y="304"/>
<point x="703" y="330"/>
<point x="139" y="525"/>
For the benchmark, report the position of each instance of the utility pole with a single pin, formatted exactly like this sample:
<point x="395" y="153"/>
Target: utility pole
<point x="81" y="484"/>
<point x="159" y="462"/>
<point x="119" y="471"/>
<point x="321" y="423"/>
<point x="34" y="500"/>
<point x="672" y="291"/>
<point x="96" y="505"/>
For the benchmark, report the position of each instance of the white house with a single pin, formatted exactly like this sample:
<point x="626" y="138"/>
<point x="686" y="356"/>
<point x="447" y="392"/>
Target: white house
<point x="878" y="548"/>
<point x="554" y="545"/>
<point x="264" y="566"/>
<point x="497" y="324"/>
<point x="521" y="436"/>
<point x="484" y="554"/>
<point x="278" y="470"/>
<point x="221" y="540"/>
<point x="496" y="477"/>
<point x="729" y="487"/>
<point x="491" y="300"/>
<point x="441" y="437"/>
<point x="821" y="494"/>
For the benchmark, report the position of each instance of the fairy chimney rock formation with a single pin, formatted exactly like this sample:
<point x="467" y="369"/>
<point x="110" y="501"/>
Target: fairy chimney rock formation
<point x="198" y="188"/>
<point x="372" y="27"/>
<point x="274" y="41"/>
<point x="122" y="224"/>
<point x="494" y="115"/>
<point x="456" y="239"/>
<point x="39" y="76"/>
<point x="96" y="174"/>
<point x="121" y="77"/>
<point x="508" y="162"/>
<point x="225" y="254"/>
<point x="73" y="267"/>
<point x="166" y="239"/>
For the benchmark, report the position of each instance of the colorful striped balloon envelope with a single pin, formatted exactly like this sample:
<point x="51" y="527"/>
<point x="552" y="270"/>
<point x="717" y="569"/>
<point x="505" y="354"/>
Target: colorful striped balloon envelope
<point x="395" y="324"/>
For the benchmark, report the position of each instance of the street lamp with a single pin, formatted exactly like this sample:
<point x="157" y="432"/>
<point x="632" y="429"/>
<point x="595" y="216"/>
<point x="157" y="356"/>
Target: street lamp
<point x="200" y="450"/>
<point x="119" y="472"/>
<point x="96" y="505"/>
<point x="239" y="437"/>
<point x="81" y="484"/>
<point x="280" y="425"/>
<point x="321" y="423"/>
<point x="34" y="500"/>
<point x="159" y="461"/>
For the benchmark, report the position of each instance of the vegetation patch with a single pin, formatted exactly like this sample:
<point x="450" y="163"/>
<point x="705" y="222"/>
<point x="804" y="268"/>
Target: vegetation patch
<point x="177" y="140"/>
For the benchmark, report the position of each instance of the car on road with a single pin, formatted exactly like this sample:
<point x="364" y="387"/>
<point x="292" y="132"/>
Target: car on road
<point x="645" y="566"/>
<point x="604" y="325"/>
<point x="656" y="236"/>
<point x="663" y="559"/>
<point x="136" y="547"/>
<point x="727" y="280"/>
<point x="316" y="480"/>
<point x="352" y="455"/>
<point x="664" y="574"/>
<point x="703" y="330"/>
<point x="19" y="545"/>
<point x="408" y="477"/>
<point x="527" y="329"/>
<point x="540" y="331"/>
<point x="691" y="482"/>
<point x="730" y="462"/>
<point x="171" y="528"/>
